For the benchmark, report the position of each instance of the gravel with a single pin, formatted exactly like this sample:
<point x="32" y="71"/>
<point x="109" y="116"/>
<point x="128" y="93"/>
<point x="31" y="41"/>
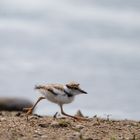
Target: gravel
<point x="16" y="127"/>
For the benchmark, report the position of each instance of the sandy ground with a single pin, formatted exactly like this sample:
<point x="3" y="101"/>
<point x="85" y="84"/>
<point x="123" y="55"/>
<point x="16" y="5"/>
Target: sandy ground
<point x="14" y="126"/>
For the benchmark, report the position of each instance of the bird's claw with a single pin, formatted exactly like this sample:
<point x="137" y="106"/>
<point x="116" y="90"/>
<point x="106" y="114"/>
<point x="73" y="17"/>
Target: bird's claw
<point x="81" y="119"/>
<point x="28" y="111"/>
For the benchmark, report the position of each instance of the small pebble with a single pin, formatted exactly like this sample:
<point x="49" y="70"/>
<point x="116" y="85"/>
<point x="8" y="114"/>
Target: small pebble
<point x="88" y="138"/>
<point x="75" y="136"/>
<point x="79" y="126"/>
<point x="54" y="124"/>
<point x="38" y="132"/>
<point x="2" y="119"/>
<point x="39" y="116"/>
<point x="18" y="114"/>
<point x="33" y="117"/>
<point x="43" y="125"/>
<point x="44" y="136"/>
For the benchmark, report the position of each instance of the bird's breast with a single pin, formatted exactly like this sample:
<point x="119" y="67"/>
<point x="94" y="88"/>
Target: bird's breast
<point x="59" y="99"/>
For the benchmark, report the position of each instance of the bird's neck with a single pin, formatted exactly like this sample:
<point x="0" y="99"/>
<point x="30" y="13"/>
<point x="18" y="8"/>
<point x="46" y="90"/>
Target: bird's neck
<point x="68" y="92"/>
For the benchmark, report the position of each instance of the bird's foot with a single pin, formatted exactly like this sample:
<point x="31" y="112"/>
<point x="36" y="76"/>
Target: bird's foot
<point x="28" y="111"/>
<point x="81" y="118"/>
<point x="55" y="116"/>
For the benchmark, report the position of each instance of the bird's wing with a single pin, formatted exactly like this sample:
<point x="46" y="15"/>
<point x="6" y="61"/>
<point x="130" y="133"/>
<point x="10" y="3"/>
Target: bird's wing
<point x="59" y="89"/>
<point x="45" y="88"/>
<point x="56" y="89"/>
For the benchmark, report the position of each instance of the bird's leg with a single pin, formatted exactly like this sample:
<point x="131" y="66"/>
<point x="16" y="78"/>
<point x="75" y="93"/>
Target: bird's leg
<point x="63" y="113"/>
<point x="55" y="115"/>
<point x="74" y="117"/>
<point x="30" y="109"/>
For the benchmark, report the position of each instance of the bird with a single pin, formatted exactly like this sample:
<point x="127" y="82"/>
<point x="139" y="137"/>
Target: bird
<point x="59" y="94"/>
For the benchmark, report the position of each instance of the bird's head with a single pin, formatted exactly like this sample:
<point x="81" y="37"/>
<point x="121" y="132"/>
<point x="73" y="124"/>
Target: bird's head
<point x="75" y="89"/>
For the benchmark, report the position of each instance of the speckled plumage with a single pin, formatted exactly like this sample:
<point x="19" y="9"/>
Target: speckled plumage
<point x="58" y="93"/>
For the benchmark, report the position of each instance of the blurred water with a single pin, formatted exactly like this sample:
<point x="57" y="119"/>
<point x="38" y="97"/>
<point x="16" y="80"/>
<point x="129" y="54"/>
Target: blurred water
<point x="93" y="42"/>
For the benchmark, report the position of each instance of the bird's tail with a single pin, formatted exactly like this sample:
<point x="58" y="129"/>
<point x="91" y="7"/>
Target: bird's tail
<point x="38" y="87"/>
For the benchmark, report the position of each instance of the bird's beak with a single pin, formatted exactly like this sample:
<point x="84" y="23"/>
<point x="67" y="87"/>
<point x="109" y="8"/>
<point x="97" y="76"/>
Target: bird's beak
<point x="82" y="91"/>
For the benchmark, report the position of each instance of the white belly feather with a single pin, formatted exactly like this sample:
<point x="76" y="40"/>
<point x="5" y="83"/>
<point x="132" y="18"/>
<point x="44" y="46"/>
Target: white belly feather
<point x="61" y="98"/>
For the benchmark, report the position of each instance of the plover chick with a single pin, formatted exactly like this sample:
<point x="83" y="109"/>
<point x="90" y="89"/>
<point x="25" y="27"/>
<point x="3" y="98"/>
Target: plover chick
<point x="58" y="94"/>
